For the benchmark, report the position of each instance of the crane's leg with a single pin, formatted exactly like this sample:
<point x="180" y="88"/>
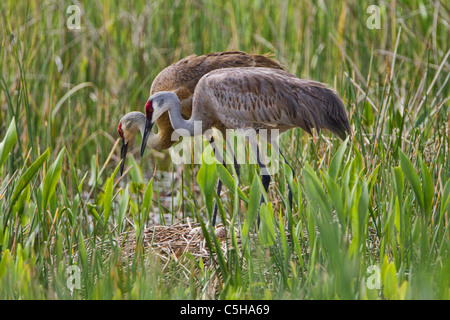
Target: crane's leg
<point x="265" y="179"/>
<point x="277" y="147"/>
<point x="219" y="189"/>
<point x="219" y="183"/>
<point x="293" y="176"/>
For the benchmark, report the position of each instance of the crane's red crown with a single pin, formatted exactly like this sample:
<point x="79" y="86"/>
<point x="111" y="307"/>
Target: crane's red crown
<point x="119" y="130"/>
<point x="149" y="109"/>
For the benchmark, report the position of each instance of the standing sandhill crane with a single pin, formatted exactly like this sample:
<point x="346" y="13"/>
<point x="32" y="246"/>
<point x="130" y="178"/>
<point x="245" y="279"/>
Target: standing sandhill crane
<point x="258" y="98"/>
<point x="181" y="78"/>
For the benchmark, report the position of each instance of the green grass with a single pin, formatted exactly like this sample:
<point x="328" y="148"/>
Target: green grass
<point x="380" y="201"/>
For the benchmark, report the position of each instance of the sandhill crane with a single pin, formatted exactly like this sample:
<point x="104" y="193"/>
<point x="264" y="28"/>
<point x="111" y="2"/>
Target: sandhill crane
<point x="258" y="98"/>
<point x="181" y="78"/>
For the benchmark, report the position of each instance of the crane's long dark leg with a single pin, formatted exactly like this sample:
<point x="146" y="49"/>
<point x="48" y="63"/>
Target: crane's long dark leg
<point x="293" y="176"/>
<point x="237" y="167"/>
<point x="219" y="183"/>
<point x="219" y="189"/>
<point x="265" y="179"/>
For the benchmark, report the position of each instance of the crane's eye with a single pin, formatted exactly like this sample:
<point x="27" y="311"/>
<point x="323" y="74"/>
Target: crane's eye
<point x="149" y="109"/>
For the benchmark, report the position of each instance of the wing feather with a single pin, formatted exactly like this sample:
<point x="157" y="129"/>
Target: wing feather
<point x="183" y="76"/>
<point x="267" y="98"/>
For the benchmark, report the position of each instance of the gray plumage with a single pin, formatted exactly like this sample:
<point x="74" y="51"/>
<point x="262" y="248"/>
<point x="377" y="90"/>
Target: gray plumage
<point x="252" y="98"/>
<point x="259" y="98"/>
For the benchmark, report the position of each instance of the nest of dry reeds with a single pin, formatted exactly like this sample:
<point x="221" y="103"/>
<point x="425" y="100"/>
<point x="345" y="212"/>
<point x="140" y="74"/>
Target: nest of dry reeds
<point x="174" y="241"/>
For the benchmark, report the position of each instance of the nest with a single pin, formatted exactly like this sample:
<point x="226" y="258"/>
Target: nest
<point x="174" y="241"/>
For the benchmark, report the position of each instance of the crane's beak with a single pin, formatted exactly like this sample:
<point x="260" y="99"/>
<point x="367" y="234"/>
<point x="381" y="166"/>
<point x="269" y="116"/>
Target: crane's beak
<point x="148" y="129"/>
<point x="123" y="155"/>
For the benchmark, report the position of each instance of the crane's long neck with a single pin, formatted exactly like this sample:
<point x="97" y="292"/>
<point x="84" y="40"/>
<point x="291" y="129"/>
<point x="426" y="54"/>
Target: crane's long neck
<point x="163" y="139"/>
<point x="179" y="124"/>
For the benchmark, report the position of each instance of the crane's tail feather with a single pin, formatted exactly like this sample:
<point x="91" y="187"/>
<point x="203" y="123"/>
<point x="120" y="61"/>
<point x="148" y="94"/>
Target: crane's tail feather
<point x="321" y="108"/>
<point x="329" y="112"/>
<point x="337" y="119"/>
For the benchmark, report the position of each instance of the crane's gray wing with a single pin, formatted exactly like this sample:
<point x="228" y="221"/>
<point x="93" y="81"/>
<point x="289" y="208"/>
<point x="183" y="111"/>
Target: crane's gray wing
<point x="183" y="76"/>
<point x="269" y="98"/>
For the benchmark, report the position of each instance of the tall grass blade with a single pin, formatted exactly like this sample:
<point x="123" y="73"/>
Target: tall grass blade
<point x="108" y="199"/>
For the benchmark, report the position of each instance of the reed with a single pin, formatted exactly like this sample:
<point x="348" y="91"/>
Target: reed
<point x="375" y="205"/>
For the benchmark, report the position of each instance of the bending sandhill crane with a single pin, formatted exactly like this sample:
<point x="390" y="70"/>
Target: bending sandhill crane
<point x="258" y="98"/>
<point x="181" y="78"/>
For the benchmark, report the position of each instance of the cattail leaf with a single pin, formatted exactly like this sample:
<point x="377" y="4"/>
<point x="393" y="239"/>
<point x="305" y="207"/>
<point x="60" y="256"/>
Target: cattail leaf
<point x="390" y="282"/>
<point x="412" y="177"/>
<point x="108" y="199"/>
<point x="22" y="201"/>
<point x="136" y="172"/>
<point x="253" y="204"/>
<point x="26" y="177"/>
<point x="336" y="196"/>
<point x="8" y="142"/>
<point x="147" y="201"/>
<point x="428" y="189"/>
<point x="206" y="178"/>
<point x="4" y="262"/>
<point x="228" y="180"/>
<point x="373" y="178"/>
<point x="267" y="226"/>
<point x="123" y="206"/>
<point x="314" y="190"/>
<point x="399" y="181"/>
<point x="445" y="202"/>
<point x="51" y="179"/>
<point x="336" y="162"/>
